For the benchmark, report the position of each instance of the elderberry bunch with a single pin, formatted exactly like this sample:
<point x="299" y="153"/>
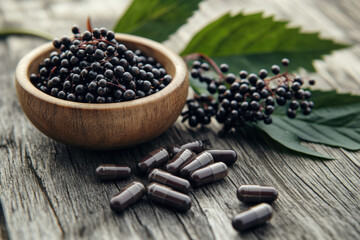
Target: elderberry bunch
<point x="248" y="98"/>
<point x="94" y="67"/>
<point x="200" y="110"/>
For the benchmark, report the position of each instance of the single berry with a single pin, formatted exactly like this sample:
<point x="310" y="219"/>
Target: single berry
<point x="128" y="95"/>
<point x="230" y="78"/>
<point x="224" y="67"/>
<point x="194" y="73"/>
<point x="205" y="66"/>
<point x="307" y="111"/>
<point x="295" y="86"/>
<point x="196" y="64"/>
<point x="193" y="121"/>
<point x="243" y="74"/>
<point x="285" y="62"/>
<point x="269" y="109"/>
<point x="294" y="105"/>
<point x="280" y="101"/>
<point x="75" y="29"/>
<point x="275" y="69"/>
<point x="263" y="73"/>
<point x="281" y="91"/>
<point x="252" y="78"/>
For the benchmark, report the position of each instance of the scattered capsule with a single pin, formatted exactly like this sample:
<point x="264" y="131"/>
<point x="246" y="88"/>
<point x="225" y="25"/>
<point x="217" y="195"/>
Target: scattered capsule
<point x="154" y="159"/>
<point x="202" y="160"/>
<point x="228" y="157"/>
<point x="112" y="172"/>
<point x="180" y="159"/>
<point x="256" y="193"/>
<point x="195" y="146"/>
<point x="169" y="197"/>
<point x="127" y="196"/>
<point x="252" y="217"/>
<point x="175" y="182"/>
<point x="209" y="174"/>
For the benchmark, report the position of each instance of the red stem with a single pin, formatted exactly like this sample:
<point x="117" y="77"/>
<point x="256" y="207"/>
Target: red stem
<point x="196" y="56"/>
<point x="88" y="24"/>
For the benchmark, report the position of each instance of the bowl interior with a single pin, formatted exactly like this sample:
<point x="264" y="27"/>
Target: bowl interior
<point x="148" y="47"/>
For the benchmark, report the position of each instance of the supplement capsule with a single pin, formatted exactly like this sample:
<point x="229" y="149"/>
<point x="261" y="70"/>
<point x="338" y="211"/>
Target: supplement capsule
<point x="252" y="217"/>
<point x="169" y="197"/>
<point x="127" y="196"/>
<point x="175" y="182"/>
<point x="112" y="172"/>
<point x="228" y="157"/>
<point x="180" y="159"/>
<point x="153" y="159"/>
<point x="195" y="146"/>
<point x="209" y="174"/>
<point x="200" y="161"/>
<point x="256" y="193"/>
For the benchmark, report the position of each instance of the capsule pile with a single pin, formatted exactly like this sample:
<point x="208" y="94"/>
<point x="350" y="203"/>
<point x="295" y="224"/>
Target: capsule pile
<point x="171" y="173"/>
<point x="182" y="166"/>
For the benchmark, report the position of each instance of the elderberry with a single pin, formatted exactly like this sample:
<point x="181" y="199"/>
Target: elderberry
<point x="93" y="67"/>
<point x="251" y="98"/>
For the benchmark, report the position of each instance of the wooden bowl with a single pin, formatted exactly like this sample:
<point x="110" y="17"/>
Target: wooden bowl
<point x="107" y="125"/>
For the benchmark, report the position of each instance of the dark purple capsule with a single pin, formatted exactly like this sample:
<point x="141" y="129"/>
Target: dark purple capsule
<point x="252" y="217"/>
<point x="154" y="159"/>
<point x="180" y="159"/>
<point x="175" y="182"/>
<point x="127" y="196"/>
<point x="112" y="172"/>
<point x="202" y="160"/>
<point x="209" y="174"/>
<point x="195" y="146"/>
<point x="169" y="197"/>
<point x="228" y="157"/>
<point x="256" y="193"/>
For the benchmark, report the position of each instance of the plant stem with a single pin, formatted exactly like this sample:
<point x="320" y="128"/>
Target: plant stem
<point x="196" y="56"/>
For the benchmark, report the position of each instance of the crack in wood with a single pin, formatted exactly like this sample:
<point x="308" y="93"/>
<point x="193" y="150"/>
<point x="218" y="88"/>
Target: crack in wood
<point x="43" y="189"/>
<point x="184" y="227"/>
<point x="204" y="214"/>
<point x="148" y="232"/>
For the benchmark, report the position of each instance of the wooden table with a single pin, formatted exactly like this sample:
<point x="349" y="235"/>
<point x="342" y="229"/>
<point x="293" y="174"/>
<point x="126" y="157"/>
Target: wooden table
<point x="48" y="190"/>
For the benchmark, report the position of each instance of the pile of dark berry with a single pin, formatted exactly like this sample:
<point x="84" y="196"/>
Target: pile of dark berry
<point x="94" y="67"/>
<point x="245" y="99"/>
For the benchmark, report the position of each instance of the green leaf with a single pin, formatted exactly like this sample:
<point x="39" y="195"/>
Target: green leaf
<point x="252" y="42"/>
<point x="332" y="98"/>
<point x="335" y="121"/>
<point x="288" y="140"/>
<point x="27" y="32"/>
<point x="155" y="19"/>
<point x="198" y="87"/>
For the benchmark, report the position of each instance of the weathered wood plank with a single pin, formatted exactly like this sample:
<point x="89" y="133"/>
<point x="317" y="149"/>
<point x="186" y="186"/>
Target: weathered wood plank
<point x="48" y="190"/>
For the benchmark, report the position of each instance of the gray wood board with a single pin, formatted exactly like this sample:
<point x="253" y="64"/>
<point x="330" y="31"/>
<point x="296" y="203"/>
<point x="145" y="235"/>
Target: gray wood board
<point x="48" y="190"/>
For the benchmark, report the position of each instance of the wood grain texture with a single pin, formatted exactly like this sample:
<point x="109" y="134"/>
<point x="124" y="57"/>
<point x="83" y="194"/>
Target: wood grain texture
<point x="48" y="190"/>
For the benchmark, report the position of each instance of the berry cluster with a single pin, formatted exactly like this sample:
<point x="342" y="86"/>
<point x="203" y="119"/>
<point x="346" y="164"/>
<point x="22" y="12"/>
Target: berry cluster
<point x="200" y="110"/>
<point x="94" y="67"/>
<point x="247" y="98"/>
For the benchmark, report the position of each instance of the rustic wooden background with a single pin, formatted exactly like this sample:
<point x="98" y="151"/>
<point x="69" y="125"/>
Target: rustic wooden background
<point x="48" y="190"/>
